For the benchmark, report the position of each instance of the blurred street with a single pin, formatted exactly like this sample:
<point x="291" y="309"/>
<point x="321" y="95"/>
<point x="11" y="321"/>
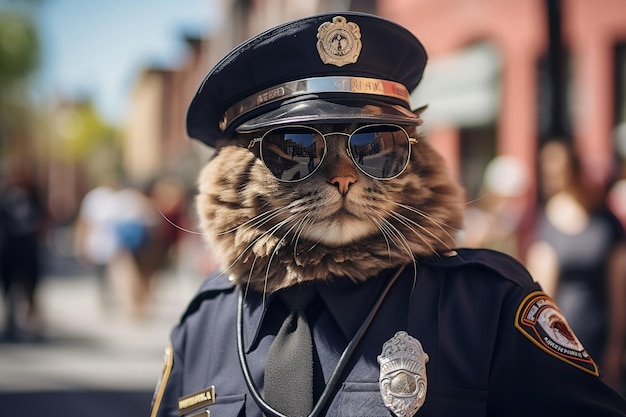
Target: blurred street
<point x="89" y="360"/>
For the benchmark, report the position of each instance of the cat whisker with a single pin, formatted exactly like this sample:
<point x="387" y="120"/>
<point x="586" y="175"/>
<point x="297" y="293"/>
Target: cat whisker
<point x="440" y="225"/>
<point x="256" y="221"/>
<point x="303" y="224"/>
<point x="388" y="228"/>
<point x="398" y="236"/>
<point x="254" y="241"/>
<point x="414" y="226"/>
<point x="249" y="281"/>
<point x="174" y="224"/>
<point x="278" y="244"/>
<point x="263" y="219"/>
<point x="383" y="231"/>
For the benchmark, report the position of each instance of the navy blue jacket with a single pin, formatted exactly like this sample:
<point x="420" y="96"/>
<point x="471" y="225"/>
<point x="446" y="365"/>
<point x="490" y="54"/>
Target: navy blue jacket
<point x="476" y="315"/>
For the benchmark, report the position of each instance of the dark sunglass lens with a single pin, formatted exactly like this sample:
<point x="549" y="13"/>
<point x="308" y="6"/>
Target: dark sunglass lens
<point x="292" y="153"/>
<point x="380" y="151"/>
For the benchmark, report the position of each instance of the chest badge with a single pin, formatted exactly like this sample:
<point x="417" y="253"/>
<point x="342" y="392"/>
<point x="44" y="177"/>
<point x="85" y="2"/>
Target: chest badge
<point x="339" y="42"/>
<point x="402" y="378"/>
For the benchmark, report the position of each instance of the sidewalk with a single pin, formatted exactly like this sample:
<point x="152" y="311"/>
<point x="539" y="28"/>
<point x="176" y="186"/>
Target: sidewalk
<point x="86" y="349"/>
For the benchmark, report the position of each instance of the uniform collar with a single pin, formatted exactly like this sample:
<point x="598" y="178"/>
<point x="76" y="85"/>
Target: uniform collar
<point x="349" y="302"/>
<point x="340" y="295"/>
<point x="255" y="307"/>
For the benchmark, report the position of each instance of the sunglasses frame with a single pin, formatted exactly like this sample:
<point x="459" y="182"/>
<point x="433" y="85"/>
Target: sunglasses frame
<point x="410" y="140"/>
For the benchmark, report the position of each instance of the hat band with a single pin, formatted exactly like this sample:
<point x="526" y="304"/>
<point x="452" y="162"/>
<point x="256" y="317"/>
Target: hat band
<point x="316" y="85"/>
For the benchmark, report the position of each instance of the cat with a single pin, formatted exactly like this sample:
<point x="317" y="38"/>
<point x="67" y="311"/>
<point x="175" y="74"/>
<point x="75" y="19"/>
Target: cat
<point x="270" y="234"/>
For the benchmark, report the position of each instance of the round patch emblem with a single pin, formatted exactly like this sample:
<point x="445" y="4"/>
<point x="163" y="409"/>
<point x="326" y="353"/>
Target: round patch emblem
<point x="540" y="320"/>
<point x="339" y="42"/>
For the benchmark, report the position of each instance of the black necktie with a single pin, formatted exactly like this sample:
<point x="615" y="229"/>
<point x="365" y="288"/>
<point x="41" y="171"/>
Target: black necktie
<point x="289" y="370"/>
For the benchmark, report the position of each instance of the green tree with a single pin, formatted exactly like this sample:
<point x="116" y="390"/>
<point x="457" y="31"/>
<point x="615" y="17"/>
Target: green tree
<point x="81" y="131"/>
<point x="19" y="58"/>
<point x="19" y="46"/>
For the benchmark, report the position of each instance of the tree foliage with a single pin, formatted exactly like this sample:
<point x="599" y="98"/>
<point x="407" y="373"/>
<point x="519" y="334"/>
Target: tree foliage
<point x="19" y="46"/>
<point x="19" y="58"/>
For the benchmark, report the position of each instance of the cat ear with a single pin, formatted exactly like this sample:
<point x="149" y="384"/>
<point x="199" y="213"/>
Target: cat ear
<point x="418" y="112"/>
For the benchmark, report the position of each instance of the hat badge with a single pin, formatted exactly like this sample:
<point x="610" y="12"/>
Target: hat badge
<point x="339" y="42"/>
<point x="402" y="379"/>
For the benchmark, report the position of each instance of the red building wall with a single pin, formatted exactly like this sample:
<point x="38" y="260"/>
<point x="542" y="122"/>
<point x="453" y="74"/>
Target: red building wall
<point x="519" y="29"/>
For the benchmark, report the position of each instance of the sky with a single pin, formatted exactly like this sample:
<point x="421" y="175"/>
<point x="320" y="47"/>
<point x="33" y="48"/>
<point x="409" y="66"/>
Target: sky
<point x="95" y="48"/>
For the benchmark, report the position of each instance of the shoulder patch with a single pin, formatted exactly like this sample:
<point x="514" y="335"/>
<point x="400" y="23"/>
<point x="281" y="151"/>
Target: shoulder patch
<point x="539" y="319"/>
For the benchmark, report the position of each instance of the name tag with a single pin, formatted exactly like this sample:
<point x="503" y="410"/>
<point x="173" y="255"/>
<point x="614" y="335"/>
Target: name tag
<point x="196" y="401"/>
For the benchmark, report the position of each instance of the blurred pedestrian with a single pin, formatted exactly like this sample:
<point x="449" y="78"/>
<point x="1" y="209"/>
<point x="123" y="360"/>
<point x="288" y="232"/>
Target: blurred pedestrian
<point x="135" y="227"/>
<point x="169" y="198"/>
<point x="493" y="221"/>
<point x="617" y="200"/>
<point x="96" y="239"/>
<point x="579" y="255"/>
<point x="22" y="219"/>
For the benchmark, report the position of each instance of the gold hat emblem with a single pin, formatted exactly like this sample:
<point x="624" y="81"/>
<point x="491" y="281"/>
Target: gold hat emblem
<point x="339" y="42"/>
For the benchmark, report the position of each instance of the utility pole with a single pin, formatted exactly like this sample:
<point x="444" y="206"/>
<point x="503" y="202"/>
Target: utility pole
<point x="554" y="121"/>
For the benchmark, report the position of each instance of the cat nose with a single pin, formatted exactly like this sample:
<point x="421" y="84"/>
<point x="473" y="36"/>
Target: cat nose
<point x="343" y="183"/>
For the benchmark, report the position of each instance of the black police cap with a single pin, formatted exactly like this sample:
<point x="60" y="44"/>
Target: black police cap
<point x="341" y="67"/>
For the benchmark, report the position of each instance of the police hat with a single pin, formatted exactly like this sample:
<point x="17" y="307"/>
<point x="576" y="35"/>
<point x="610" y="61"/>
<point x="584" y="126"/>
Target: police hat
<point x="341" y="67"/>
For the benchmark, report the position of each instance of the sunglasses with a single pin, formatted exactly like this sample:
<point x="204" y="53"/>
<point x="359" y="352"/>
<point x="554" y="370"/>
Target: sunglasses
<point x="293" y="153"/>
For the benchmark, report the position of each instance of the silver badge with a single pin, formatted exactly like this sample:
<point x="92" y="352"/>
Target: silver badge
<point x="403" y="374"/>
<point x="339" y="42"/>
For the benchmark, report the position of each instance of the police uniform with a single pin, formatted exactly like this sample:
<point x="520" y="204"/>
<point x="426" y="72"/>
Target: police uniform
<point x="467" y="333"/>
<point x="472" y="313"/>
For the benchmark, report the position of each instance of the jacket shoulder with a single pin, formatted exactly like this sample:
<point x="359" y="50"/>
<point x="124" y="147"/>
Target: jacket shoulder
<point x="214" y="285"/>
<point x="504" y="266"/>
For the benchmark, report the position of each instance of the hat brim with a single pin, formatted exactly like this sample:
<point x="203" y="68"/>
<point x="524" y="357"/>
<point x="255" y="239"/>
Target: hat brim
<point x="317" y="110"/>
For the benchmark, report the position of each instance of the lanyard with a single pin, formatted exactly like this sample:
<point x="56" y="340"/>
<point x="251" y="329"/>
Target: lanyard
<point x="341" y="364"/>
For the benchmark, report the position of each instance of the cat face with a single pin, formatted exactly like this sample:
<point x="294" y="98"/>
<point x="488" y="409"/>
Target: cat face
<point x="338" y="221"/>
